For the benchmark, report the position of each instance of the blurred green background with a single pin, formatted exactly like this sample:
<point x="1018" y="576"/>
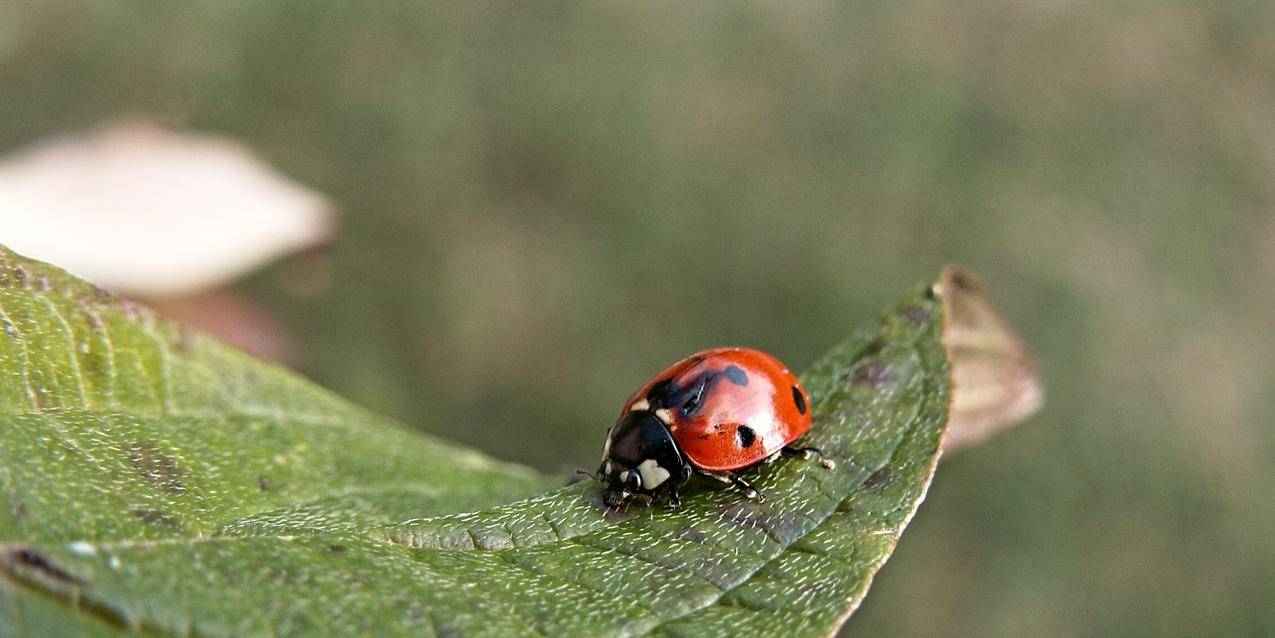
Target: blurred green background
<point x="542" y="204"/>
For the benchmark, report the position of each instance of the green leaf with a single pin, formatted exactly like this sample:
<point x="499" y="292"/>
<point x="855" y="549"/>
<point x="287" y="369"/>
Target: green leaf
<point x="154" y="480"/>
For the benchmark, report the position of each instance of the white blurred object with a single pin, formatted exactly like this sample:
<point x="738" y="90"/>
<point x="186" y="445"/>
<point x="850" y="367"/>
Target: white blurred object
<point x="154" y="213"/>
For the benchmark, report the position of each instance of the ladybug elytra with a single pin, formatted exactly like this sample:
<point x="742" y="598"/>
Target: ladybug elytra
<point x="711" y="414"/>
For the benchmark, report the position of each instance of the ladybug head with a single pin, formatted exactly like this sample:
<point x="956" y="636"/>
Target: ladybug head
<point x="640" y="459"/>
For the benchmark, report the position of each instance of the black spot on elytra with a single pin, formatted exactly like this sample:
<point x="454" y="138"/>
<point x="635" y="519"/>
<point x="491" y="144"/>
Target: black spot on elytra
<point x="693" y="396"/>
<point x="747" y="437"/>
<point x="153" y="517"/>
<point x="799" y="399"/>
<point x="30" y="559"/>
<point x="694" y="401"/>
<point x="875" y="375"/>
<point x="663" y="393"/>
<point x="879" y="478"/>
<point x="156" y="467"/>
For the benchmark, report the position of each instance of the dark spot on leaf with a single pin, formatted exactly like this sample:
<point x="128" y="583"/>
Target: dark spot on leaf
<point x="31" y="559"/>
<point x="94" y="322"/>
<point x="9" y="329"/>
<point x="780" y="526"/>
<point x="879" y="478"/>
<point x="875" y="375"/>
<point x="154" y="517"/>
<point x="736" y="375"/>
<point x="156" y="467"/>
<point x="20" y="276"/>
<point x="262" y="483"/>
<point x="41" y="399"/>
<point x="689" y="533"/>
<point x="799" y="399"/>
<point x="745" y="512"/>
<point x="916" y="315"/>
<point x="42" y="283"/>
<point x="17" y="509"/>
<point x="336" y="549"/>
<point x="746" y="436"/>
<point x="101" y="295"/>
<point x="873" y="348"/>
<point x="415" y="612"/>
<point x="92" y="363"/>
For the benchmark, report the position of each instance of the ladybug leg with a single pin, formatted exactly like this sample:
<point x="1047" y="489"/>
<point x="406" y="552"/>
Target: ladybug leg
<point x="808" y="452"/>
<point x="737" y="481"/>
<point x="674" y="499"/>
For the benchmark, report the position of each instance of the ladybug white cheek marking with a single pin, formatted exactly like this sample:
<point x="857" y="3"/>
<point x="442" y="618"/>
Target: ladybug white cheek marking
<point x="640" y="405"/>
<point x="664" y="415"/>
<point x="606" y="448"/>
<point x="652" y="474"/>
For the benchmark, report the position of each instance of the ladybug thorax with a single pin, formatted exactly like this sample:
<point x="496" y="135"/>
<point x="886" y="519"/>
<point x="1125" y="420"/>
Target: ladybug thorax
<point x="640" y="457"/>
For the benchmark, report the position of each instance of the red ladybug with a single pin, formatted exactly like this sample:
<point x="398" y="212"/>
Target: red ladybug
<point x="713" y="413"/>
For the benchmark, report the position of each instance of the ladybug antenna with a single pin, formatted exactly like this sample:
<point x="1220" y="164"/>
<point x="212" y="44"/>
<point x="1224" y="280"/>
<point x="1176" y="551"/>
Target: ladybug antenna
<point x="588" y="474"/>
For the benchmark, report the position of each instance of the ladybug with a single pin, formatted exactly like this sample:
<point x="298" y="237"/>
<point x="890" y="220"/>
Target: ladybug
<point x="711" y="414"/>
